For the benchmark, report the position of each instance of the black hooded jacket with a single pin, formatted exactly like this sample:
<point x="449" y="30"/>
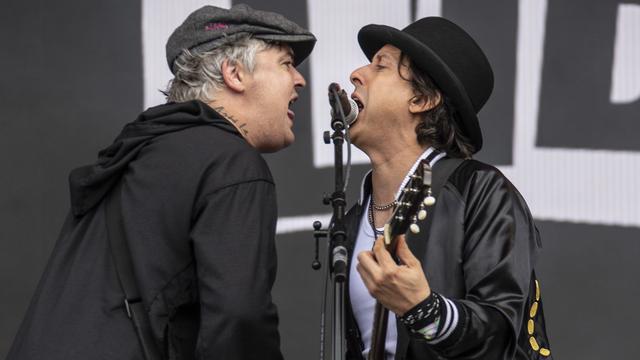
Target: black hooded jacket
<point x="199" y="210"/>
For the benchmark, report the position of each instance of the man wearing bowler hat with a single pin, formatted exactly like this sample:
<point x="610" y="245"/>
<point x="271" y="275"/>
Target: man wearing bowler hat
<point x="185" y="194"/>
<point x="465" y="286"/>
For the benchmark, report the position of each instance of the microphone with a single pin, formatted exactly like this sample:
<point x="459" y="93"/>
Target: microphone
<point x="349" y="107"/>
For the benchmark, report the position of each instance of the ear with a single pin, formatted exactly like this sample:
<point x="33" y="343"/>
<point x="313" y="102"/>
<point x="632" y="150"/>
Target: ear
<point x="422" y="103"/>
<point x="233" y="75"/>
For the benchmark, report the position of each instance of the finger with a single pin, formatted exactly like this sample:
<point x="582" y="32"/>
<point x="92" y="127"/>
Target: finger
<point x="382" y="255"/>
<point x="367" y="280"/>
<point x="367" y="263"/>
<point x="405" y="254"/>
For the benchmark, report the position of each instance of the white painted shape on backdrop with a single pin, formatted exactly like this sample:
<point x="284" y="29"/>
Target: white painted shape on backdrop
<point x="428" y="8"/>
<point x="291" y="224"/>
<point x="159" y="19"/>
<point x="625" y="78"/>
<point x="337" y="53"/>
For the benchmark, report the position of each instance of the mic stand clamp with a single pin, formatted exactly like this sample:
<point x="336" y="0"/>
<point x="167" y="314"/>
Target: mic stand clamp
<point x="318" y="233"/>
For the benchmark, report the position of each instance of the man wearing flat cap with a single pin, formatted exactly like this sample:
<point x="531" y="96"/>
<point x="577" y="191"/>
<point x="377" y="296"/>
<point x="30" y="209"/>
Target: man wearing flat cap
<point x="462" y="283"/>
<point x="168" y="250"/>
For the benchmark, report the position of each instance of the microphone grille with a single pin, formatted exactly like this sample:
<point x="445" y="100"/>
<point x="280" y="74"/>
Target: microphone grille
<point x="353" y="113"/>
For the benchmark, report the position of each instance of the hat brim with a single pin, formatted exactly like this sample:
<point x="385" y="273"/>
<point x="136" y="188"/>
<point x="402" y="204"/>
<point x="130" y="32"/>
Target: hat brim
<point x="373" y="37"/>
<point x="302" y="44"/>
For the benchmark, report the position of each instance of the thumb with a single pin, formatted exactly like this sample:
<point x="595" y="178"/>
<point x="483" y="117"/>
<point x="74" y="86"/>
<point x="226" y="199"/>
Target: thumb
<point x="405" y="254"/>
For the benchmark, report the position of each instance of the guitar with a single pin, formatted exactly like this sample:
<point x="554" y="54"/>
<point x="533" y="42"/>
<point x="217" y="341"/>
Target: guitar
<point x="412" y="205"/>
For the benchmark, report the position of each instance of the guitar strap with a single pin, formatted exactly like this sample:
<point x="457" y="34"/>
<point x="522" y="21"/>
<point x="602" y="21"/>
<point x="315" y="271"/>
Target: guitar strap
<point x="442" y="169"/>
<point x="124" y="268"/>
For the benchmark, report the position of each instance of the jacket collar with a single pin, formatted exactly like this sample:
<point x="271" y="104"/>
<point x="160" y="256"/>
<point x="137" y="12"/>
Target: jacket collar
<point x="365" y="186"/>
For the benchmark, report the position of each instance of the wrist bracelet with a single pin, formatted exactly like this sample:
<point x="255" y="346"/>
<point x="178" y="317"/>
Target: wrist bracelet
<point x="423" y="313"/>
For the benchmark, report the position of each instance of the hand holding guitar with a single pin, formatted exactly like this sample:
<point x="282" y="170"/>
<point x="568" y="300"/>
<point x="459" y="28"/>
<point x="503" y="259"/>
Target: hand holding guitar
<point x="397" y="287"/>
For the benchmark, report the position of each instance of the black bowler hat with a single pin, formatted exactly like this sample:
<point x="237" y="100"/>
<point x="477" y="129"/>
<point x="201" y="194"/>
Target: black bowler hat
<point x="450" y="57"/>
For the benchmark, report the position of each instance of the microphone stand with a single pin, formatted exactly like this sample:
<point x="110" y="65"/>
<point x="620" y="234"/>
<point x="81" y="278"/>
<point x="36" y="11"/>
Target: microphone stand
<point x="336" y="230"/>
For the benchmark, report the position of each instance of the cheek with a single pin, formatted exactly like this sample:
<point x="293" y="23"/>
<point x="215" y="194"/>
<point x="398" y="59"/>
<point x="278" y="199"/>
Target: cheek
<point x="279" y="89"/>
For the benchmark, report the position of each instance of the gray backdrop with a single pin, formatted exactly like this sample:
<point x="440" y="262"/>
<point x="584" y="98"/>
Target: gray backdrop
<point x="73" y="76"/>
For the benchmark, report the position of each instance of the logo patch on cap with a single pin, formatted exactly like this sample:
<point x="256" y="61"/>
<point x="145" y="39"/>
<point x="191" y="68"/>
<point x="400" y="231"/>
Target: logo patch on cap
<point x="215" y="26"/>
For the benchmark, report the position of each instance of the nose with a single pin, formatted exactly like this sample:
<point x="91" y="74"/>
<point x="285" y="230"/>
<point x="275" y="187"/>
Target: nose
<point x="357" y="76"/>
<point x="298" y="79"/>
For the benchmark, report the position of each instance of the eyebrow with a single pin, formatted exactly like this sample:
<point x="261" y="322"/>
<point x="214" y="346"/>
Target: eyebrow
<point x="384" y="56"/>
<point x="288" y="55"/>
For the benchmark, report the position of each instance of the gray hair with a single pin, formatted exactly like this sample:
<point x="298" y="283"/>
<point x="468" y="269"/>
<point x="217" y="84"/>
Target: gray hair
<point x="198" y="75"/>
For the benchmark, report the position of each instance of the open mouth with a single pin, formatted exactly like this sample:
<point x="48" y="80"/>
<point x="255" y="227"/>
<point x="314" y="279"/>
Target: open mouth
<point x="290" y="112"/>
<point x="358" y="102"/>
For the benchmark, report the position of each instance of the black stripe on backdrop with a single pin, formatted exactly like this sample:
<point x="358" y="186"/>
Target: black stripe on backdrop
<point x="71" y="77"/>
<point x="589" y="279"/>
<point x="575" y="111"/>
<point x="494" y="25"/>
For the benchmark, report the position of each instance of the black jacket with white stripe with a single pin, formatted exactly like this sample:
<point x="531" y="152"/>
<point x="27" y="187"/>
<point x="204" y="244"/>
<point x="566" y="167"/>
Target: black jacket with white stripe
<point x="480" y="253"/>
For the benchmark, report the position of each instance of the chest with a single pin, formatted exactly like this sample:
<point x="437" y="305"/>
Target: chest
<point x="439" y="245"/>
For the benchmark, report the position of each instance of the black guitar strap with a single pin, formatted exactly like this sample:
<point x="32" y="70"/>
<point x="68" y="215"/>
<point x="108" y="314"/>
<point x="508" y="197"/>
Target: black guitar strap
<point x="442" y="169"/>
<point x="124" y="268"/>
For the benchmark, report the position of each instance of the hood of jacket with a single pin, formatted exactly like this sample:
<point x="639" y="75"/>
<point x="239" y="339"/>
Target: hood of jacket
<point x="89" y="184"/>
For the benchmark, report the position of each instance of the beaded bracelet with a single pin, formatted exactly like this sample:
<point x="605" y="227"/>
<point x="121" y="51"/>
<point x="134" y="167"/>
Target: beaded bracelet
<point x="424" y="318"/>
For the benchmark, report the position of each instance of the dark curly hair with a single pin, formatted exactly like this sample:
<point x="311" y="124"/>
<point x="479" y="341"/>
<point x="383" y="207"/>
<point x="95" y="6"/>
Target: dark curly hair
<point x="438" y="127"/>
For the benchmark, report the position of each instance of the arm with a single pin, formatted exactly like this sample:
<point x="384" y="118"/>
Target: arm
<point x="500" y="246"/>
<point x="233" y="242"/>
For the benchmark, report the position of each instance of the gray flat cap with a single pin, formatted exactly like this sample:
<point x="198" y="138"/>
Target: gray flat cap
<point x="210" y="26"/>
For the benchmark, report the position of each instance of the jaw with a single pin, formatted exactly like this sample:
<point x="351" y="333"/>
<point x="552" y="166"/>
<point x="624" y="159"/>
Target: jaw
<point x="355" y="133"/>
<point x="287" y="137"/>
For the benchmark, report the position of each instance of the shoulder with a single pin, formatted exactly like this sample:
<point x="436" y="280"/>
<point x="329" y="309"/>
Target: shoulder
<point x="473" y="173"/>
<point x="214" y="149"/>
<point x="205" y="140"/>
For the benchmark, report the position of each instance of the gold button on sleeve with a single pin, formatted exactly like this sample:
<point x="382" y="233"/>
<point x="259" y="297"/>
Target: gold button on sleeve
<point x="545" y="352"/>
<point x="537" y="291"/>
<point x="534" y="343"/>
<point x="534" y="310"/>
<point x="530" y="327"/>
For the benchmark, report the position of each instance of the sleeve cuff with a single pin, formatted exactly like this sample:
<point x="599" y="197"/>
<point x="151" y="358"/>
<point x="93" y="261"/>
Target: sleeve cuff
<point x="437" y="320"/>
